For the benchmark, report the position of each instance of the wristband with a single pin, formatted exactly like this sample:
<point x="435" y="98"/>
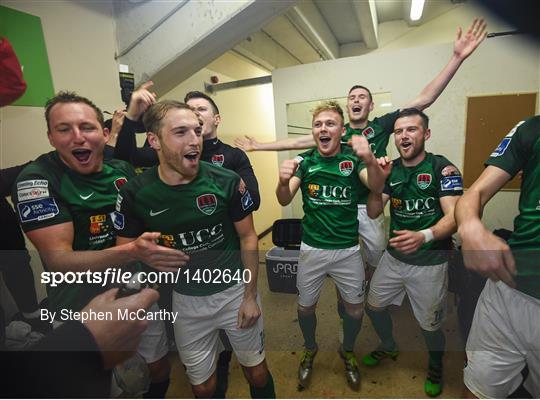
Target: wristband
<point x="428" y="235"/>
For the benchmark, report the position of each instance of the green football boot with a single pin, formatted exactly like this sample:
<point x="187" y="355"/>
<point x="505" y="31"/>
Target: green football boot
<point x="433" y="384"/>
<point x="374" y="358"/>
<point x="306" y="368"/>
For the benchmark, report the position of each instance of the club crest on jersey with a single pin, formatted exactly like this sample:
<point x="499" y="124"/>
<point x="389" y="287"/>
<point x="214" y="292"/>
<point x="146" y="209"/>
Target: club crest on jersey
<point x="207" y="203"/>
<point x="118" y="183"/>
<point x="346" y="167"/>
<point x="218" y="159"/>
<point x="368" y="133"/>
<point x="97" y="224"/>
<point x="423" y="180"/>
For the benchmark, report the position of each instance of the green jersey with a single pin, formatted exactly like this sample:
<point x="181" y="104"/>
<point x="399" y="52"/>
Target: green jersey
<point x="197" y="218"/>
<point x="48" y="193"/>
<point x="377" y="133"/>
<point x="520" y="150"/>
<point x="415" y="194"/>
<point x="330" y="188"/>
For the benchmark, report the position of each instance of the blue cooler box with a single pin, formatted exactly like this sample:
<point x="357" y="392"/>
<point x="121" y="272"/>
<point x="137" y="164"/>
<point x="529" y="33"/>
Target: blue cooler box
<point x="281" y="266"/>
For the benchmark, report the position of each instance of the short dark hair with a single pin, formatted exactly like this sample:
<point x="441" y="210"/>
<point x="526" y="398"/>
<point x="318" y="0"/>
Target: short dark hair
<point x="409" y="112"/>
<point x="361" y="87"/>
<point x="200" y="95"/>
<point x="153" y="117"/>
<point x="70" y="97"/>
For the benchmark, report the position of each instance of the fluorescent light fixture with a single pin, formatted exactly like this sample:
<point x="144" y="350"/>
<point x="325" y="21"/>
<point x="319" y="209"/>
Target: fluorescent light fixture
<point x="417" y="7"/>
<point x="386" y="105"/>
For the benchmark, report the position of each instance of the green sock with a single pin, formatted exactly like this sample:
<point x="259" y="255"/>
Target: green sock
<point x="351" y="328"/>
<point x="266" y="392"/>
<point x="340" y="308"/>
<point x="382" y="322"/>
<point x="308" y="324"/>
<point x="435" y="342"/>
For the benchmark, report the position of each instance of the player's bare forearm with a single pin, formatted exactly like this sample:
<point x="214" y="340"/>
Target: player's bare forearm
<point x="375" y="205"/>
<point x="375" y="175"/>
<point x="250" y="258"/>
<point x="444" y="228"/>
<point x="468" y="212"/>
<point x="464" y="46"/>
<point x="283" y="194"/>
<point x="304" y="142"/>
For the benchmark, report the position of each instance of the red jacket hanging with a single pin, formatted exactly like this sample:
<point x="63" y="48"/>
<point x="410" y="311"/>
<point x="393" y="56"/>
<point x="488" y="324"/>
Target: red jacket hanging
<point x="12" y="84"/>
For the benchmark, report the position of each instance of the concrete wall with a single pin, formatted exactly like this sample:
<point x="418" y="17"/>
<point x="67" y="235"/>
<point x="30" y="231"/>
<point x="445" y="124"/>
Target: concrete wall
<point x="500" y="65"/>
<point x="245" y="111"/>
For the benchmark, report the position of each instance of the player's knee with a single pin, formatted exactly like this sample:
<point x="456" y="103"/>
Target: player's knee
<point x="206" y="389"/>
<point x="303" y="310"/>
<point x="160" y="370"/>
<point x="258" y="375"/>
<point x="372" y="308"/>
<point x="356" y="311"/>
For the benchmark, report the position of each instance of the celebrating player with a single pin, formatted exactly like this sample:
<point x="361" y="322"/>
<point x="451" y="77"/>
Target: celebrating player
<point x="423" y="189"/>
<point x="331" y="178"/>
<point x="505" y="335"/>
<point x="205" y="211"/>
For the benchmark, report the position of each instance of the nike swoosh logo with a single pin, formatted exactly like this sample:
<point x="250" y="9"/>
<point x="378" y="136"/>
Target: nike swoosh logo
<point x="392" y="184"/>
<point x="313" y="169"/>
<point x="86" y="197"/>
<point x="153" y="214"/>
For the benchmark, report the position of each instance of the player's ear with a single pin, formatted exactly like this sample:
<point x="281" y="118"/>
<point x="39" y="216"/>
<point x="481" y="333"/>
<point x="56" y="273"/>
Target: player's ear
<point x="343" y="131"/>
<point x="106" y="134"/>
<point x="217" y="120"/>
<point x="153" y="140"/>
<point x="371" y="106"/>
<point x="427" y="135"/>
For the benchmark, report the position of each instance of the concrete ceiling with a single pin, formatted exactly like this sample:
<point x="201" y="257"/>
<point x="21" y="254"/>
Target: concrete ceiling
<point x="314" y="30"/>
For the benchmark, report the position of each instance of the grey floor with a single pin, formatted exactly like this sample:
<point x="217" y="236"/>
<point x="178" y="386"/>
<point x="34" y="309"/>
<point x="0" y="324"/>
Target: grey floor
<point x="402" y="378"/>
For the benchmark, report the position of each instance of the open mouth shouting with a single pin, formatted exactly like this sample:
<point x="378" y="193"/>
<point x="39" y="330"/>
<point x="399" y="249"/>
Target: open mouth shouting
<point x="82" y="155"/>
<point x="192" y="157"/>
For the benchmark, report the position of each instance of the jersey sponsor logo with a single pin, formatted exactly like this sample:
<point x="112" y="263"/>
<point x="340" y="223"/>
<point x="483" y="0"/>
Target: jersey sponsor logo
<point x="202" y="236"/>
<point x="392" y="184"/>
<point x="451" y="183"/>
<point x="32" y="193"/>
<point x="313" y="190"/>
<point x="346" y="167"/>
<point x="97" y="224"/>
<point x="314" y="168"/>
<point x="207" y="203"/>
<point x="86" y="197"/>
<point x="118" y="220"/>
<point x="37" y="210"/>
<point x="118" y="183"/>
<point x="246" y="201"/>
<point x="501" y="148"/>
<point x="218" y="159"/>
<point x="396" y="203"/>
<point x="419" y="204"/>
<point x="154" y="213"/>
<point x="450" y="170"/>
<point x="168" y="241"/>
<point x="32" y="183"/>
<point x="423" y="180"/>
<point x="368" y="133"/>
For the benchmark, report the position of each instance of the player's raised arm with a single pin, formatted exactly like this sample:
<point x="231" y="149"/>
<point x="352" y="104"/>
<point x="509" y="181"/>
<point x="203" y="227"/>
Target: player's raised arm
<point x="248" y="143"/>
<point x="464" y="45"/>
<point x="288" y="183"/>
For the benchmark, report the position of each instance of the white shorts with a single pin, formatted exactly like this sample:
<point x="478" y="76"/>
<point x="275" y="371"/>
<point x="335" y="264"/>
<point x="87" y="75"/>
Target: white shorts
<point x="426" y="286"/>
<point x="372" y="235"/>
<point x="154" y="343"/>
<point x="345" y="266"/>
<point x="505" y="336"/>
<point x="197" y="332"/>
